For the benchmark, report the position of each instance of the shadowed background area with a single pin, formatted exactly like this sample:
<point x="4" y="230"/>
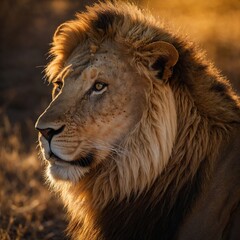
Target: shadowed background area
<point x="27" y="210"/>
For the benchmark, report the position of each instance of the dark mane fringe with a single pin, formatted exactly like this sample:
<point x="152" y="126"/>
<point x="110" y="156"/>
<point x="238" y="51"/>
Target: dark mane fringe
<point x="147" y="219"/>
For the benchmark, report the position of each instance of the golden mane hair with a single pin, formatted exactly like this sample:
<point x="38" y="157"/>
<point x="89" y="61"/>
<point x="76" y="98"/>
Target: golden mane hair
<point x="191" y="116"/>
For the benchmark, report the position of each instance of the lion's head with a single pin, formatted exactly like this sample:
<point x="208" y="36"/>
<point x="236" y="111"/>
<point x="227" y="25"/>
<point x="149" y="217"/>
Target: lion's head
<point x="135" y="126"/>
<point x="108" y="110"/>
<point x="95" y="106"/>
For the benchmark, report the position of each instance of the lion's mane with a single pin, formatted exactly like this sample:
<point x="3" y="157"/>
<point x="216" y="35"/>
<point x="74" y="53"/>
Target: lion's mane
<point x="145" y="199"/>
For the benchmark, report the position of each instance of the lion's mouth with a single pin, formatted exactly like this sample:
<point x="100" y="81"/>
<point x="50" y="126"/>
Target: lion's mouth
<point x="82" y="162"/>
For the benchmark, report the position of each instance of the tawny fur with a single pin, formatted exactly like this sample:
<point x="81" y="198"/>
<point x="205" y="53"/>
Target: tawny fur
<point x="187" y="121"/>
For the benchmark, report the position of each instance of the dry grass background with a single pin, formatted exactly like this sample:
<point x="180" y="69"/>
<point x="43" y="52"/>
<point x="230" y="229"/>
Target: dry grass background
<point x="27" y="210"/>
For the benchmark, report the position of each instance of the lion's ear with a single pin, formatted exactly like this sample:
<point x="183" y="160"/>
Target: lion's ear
<point x="161" y="57"/>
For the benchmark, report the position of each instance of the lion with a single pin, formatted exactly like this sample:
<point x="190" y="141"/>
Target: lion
<point x="141" y="138"/>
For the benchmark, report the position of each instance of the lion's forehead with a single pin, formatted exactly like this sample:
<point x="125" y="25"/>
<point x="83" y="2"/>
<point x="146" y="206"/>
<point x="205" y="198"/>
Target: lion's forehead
<point x="108" y="61"/>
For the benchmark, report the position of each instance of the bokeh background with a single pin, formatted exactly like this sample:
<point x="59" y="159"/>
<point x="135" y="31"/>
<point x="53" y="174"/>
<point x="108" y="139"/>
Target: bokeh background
<point x="27" y="210"/>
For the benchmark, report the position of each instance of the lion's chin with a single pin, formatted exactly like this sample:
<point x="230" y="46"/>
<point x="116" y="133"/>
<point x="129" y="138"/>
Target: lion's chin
<point x="66" y="172"/>
<point x="72" y="171"/>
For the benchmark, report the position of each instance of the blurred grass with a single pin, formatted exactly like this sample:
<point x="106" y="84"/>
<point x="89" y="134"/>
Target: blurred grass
<point x="27" y="209"/>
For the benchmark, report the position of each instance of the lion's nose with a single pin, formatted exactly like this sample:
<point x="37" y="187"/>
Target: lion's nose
<point x="48" y="133"/>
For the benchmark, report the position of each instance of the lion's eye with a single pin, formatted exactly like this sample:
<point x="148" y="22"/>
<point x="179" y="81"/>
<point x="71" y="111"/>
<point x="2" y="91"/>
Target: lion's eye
<point x="99" y="86"/>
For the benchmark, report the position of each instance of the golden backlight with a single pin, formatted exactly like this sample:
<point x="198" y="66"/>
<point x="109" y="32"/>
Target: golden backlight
<point x="27" y="210"/>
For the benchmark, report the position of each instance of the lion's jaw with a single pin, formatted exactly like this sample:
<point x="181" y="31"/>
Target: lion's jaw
<point x="119" y="126"/>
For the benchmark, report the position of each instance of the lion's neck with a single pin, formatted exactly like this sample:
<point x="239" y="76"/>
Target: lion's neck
<point x="167" y="201"/>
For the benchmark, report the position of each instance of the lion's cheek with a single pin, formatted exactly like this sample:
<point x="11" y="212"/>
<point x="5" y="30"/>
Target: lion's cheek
<point x="109" y="127"/>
